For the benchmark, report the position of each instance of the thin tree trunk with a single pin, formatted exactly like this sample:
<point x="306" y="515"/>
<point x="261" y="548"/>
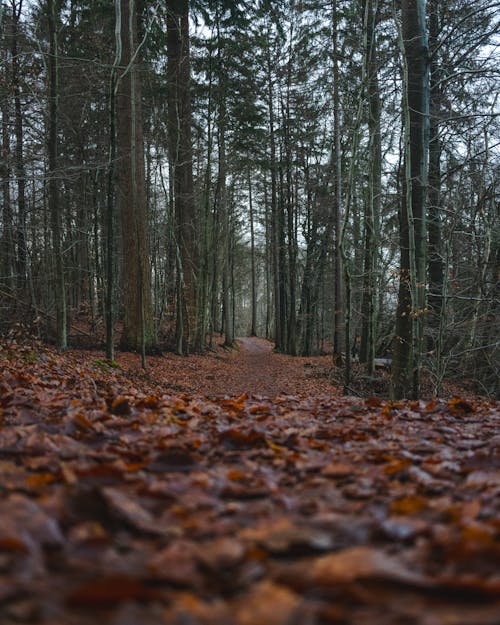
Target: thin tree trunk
<point x="278" y="312"/>
<point x="7" y="265"/>
<point x="291" y="320"/>
<point x="224" y="207"/>
<point x="372" y="216"/>
<point x="53" y="184"/>
<point x="338" y="332"/>
<point x="19" y="150"/>
<point x="253" y="325"/>
<point x="111" y="191"/>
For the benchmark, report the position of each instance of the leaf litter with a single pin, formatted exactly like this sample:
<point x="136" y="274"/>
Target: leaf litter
<point x="255" y="496"/>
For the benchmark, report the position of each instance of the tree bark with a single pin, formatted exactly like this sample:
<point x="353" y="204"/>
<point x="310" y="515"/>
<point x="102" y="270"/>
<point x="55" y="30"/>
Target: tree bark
<point x="434" y="204"/>
<point x="111" y="192"/>
<point x="7" y="265"/>
<point x="19" y="168"/>
<point x="339" y="338"/>
<point x="411" y="303"/>
<point x="181" y="157"/>
<point x="138" y="330"/>
<point x="253" y="323"/>
<point x="275" y="219"/>
<point x="53" y="183"/>
<point x="372" y="214"/>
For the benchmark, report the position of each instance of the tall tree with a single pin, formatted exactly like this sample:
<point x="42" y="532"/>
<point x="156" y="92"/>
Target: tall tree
<point x="434" y="195"/>
<point x="53" y="183"/>
<point x="338" y="328"/>
<point x="409" y="338"/>
<point x="111" y="192"/>
<point x="7" y="242"/>
<point x="181" y="159"/>
<point x="138" y="331"/>
<point x="19" y="165"/>
<point x="374" y="191"/>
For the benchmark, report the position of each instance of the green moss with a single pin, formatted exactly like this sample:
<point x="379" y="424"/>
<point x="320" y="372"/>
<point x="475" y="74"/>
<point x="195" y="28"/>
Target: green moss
<point x="106" y="364"/>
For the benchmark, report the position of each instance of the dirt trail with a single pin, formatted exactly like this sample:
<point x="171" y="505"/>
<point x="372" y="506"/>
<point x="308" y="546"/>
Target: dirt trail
<point x="254" y="345"/>
<point x="255" y="368"/>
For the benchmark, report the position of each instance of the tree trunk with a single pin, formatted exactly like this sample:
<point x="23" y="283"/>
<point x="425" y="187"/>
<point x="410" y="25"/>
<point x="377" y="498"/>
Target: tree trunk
<point x="275" y="237"/>
<point x="21" y="268"/>
<point x="291" y="317"/>
<point x="7" y="261"/>
<point x="372" y="215"/>
<point x="53" y="184"/>
<point x="138" y="330"/>
<point x="227" y="234"/>
<point x="411" y="303"/>
<point x="181" y="157"/>
<point x="111" y="192"/>
<point x="253" y="324"/>
<point x="434" y="197"/>
<point x="338" y="330"/>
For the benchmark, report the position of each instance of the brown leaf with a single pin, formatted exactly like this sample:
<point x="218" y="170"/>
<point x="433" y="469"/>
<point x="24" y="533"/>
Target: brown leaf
<point x="177" y="563"/>
<point x="408" y="505"/>
<point x="267" y="603"/>
<point x="221" y="553"/>
<point x="107" y="591"/>
<point x="362" y="563"/>
<point x="127" y="509"/>
<point x="337" y="469"/>
<point x="172" y="460"/>
<point x="242" y="438"/>
<point x="120" y="406"/>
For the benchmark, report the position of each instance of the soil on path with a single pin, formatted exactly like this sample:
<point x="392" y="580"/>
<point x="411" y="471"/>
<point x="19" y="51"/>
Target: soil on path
<point x="253" y="367"/>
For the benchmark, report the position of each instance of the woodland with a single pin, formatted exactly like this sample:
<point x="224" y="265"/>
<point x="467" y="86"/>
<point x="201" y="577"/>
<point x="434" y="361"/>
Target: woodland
<point x="249" y="312"/>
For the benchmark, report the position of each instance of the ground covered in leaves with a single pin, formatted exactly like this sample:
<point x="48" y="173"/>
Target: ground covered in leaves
<point x="239" y="489"/>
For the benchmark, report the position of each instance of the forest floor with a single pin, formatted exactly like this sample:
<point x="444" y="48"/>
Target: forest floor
<point x="239" y="488"/>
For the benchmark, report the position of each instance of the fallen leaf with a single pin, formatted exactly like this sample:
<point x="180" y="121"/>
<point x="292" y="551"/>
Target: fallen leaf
<point x="363" y="563"/>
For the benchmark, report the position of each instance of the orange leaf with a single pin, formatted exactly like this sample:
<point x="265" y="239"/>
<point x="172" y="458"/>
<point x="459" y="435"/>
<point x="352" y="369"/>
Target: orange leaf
<point x="36" y="480"/>
<point x="235" y="475"/>
<point x="408" y="505"/>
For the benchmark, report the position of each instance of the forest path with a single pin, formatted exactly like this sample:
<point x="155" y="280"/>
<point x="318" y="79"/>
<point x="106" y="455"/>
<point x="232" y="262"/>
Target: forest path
<point x="254" y="345"/>
<point x="254" y="368"/>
